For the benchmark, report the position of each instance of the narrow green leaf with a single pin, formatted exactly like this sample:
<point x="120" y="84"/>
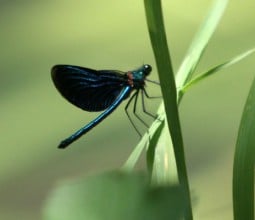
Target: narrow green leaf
<point x="215" y="69"/>
<point x="129" y="165"/>
<point x="243" y="171"/>
<point x="167" y="81"/>
<point x="200" y="42"/>
<point x="160" y="48"/>
<point x="164" y="170"/>
<point x="152" y="147"/>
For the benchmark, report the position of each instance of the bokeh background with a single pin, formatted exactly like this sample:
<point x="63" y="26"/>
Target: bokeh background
<point x="35" y="35"/>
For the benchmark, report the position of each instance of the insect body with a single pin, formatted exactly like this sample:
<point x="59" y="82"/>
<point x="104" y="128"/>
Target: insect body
<point x="98" y="90"/>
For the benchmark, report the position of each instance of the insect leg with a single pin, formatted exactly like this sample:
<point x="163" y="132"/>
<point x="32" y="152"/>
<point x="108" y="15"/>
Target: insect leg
<point x="134" y="111"/>
<point x="129" y="101"/>
<point x="152" y="81"/>
<point x="151" y="97"/>
<point x="143" y="104"/>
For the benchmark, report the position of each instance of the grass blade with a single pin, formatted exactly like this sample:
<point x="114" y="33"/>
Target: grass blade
<point x="243" y="171"/>
<point x="215" y="69"/>
<point x="167" y="81"/>
<point x="199" y="43"/>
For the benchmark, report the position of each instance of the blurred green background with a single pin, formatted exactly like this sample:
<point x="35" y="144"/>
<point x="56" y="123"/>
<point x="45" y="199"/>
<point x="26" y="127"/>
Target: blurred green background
<point x="35" y="35"/>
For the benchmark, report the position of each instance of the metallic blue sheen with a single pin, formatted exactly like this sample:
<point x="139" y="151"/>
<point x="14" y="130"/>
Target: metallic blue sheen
<point x="98" y="90"/>
<point x="97" y="120"/>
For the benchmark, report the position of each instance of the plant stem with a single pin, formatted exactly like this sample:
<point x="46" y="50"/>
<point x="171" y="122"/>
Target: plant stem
<point x="167" y="81"/>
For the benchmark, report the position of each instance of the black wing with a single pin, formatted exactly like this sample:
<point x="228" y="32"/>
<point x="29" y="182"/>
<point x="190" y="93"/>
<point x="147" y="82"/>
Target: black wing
<point x="88" y="89"/>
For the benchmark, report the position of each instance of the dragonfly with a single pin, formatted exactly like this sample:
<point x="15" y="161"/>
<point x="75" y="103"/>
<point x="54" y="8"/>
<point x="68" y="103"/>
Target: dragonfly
<point x="100" y="90"/>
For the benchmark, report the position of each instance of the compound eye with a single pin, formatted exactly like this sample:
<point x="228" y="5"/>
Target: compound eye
<point x="147" y="69"/>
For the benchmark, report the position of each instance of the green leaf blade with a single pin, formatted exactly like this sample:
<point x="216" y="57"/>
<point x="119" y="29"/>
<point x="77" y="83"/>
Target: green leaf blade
<point x="243" y="171"/>
<point x="200" y="42"/>
<point x="156" y="29"/>
<point x="216" y="69"/>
